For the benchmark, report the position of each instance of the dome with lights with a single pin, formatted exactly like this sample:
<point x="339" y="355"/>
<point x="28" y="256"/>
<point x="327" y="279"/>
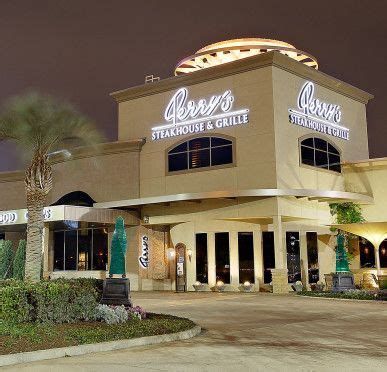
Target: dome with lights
<point x="232" y="50"/>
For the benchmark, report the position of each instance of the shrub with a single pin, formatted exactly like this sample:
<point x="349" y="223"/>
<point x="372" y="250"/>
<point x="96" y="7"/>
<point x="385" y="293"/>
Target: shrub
<point x="355" y="294"/>
<point x="6" y="257"/>
<point x="112" y="314"/>
<point x="48" y="301"/>
<point x="61" y="302"/>
<point x="91" y="284"/>
<point x="19" y="261"/>
<point x="14" y="302"/>
<point x="137" y="312"/>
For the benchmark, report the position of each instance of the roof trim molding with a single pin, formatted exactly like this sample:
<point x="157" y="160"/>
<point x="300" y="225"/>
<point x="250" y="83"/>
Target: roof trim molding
<point x="275" y="59"/>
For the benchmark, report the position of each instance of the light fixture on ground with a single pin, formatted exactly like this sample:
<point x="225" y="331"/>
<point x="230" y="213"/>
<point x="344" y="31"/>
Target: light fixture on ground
<point x="220" y="286"/>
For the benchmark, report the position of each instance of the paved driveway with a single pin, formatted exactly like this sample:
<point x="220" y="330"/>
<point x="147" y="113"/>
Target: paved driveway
<point x="251" y="332"/>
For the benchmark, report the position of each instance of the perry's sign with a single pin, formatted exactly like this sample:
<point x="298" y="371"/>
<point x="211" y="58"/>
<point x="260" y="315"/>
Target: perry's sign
<point x="317" y="115"/>
<point x="144" y="258"/>
<point x="185" y="116"/>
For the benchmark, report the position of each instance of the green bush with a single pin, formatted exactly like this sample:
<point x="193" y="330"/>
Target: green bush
<point x="14" y="302"/>
<point x="355" y="294"/>
<point x="6" y="257"/>
<point x="19" y="261"/>
<point x="53" y="301"/>
<point x="88" y="283"/>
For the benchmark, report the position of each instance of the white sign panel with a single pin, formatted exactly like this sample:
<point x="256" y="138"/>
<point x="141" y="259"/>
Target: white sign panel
<point x="317" y="115"/>
<point x="144" y="258"/>
<point x="7" y="218"/>
<point x="183" y="116"/>
<point x="21" y="216"/>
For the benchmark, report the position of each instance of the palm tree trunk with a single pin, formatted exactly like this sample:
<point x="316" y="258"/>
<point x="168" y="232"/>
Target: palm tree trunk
<point x="35" y="204"/>
<point x="38" y="182"/>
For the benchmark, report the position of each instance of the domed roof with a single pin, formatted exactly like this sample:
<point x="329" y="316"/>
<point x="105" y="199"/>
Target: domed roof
<point x="232" y="50"/>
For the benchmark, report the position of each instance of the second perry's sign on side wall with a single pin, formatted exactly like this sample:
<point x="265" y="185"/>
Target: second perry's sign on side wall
<point x="317" y="115"/>
<point x="185" y="116"/>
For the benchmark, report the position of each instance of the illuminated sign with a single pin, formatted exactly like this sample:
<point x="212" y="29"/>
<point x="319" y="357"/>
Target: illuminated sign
<point x="144" y="258"/>
<point x="317" y="115"/>
<point x="47" y="213"/>
<point x="185" y="116"/>
<point x="20" y="217"/>
<point x="8" y="218"/>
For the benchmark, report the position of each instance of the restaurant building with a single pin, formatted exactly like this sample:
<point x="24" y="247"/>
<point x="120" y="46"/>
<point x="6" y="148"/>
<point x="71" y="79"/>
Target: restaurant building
<point x="222" y="172"/>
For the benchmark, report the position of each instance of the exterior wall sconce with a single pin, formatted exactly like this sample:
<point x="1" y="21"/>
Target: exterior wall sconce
<point x="189" y="253"/>
<point x="171" y="253"/>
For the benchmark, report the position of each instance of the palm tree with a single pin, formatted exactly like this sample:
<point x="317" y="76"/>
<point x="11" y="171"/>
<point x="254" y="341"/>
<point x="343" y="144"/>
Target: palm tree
<point x="41" y="125"/>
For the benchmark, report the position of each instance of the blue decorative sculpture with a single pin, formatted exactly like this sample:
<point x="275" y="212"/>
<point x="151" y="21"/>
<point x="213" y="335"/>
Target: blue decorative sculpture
<point x="118" y="249"/>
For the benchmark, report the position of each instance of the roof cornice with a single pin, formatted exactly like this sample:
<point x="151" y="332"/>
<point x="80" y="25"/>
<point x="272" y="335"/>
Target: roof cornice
<point x="236" y="67"/>
<point x="101" y="149"/>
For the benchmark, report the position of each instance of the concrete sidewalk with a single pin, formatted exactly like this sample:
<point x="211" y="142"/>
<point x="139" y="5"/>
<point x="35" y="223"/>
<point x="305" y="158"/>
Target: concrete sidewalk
<point x="251" y="332"/>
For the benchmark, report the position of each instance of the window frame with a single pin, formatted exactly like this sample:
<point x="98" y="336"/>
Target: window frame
<point x="315" y="167"/>
<point x="77" y="249"/>
<point x="201" y="169"/>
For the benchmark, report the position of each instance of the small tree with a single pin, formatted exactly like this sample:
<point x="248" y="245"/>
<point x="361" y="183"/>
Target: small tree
<point x="41" y="125"/>
<point x="19" y="261"/>
<point x="346" y="213"/>
<point x="6" y="257"/>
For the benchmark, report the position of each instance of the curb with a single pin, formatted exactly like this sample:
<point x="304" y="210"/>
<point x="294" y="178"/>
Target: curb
<point x="69" y="351"/>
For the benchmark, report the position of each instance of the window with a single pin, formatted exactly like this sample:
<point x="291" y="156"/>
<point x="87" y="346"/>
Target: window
<point x="222" y="257"/>
<point x="367" y="253"/>
<point x="319" y="153"/>
<point x="312" y="250"/>
<point x="202" y="152"/>
<point x="383" y="254"/>
<point x="246" y="257"/>
<point x="293" y="256"/>
<point x="201" y="258"/>
<point x="81" y="249"/>
<point x="268" y="255"/>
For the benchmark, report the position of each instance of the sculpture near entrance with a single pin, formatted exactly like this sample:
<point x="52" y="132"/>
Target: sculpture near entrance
<point x="342" y="279"/>
<point x="118" y="250"/>
<point x="116" y="290"/>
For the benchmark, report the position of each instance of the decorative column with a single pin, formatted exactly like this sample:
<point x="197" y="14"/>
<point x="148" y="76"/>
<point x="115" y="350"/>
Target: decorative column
<point x="258" y="258"/>
<point x="279" y="248"/>
<point x="211" y="260"/>
<point x="377" y="259"/>
<point x="234" y="260"/>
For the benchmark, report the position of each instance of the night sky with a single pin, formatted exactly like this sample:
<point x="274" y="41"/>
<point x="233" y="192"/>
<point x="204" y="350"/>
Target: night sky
<point x="81" y="50"/>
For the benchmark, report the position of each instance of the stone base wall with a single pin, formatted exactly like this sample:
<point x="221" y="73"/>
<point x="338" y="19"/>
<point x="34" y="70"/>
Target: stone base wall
<point x="280" y="281"/>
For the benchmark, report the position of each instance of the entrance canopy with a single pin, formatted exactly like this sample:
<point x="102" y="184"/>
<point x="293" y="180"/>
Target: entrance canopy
<point x="374" y="232"/>
<point x="15" y="220"/>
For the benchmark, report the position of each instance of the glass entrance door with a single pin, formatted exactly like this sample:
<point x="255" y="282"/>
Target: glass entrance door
<point x="293" y="256"/>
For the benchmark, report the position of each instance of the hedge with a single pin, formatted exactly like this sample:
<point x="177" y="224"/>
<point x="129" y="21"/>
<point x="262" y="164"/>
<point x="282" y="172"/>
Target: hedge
<point x="54" y="301"/>
<point x="6" y="258"/>
<point x="19" y="261"/>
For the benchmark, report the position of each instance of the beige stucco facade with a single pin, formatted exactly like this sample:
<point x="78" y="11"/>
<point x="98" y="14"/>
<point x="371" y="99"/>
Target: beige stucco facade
<point x="265" y="188"/>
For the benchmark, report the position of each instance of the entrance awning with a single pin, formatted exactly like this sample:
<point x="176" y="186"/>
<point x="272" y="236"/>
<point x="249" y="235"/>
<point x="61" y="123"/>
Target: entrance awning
<point x="16" y="219"/>
<point x="374" y="232"/>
